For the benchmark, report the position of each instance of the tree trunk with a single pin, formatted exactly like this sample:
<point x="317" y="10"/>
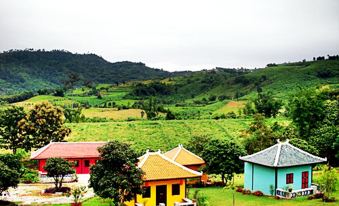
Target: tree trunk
<point x="56" y="181"/>
<point x="60" y="183"/>
<point x="223" y="179"/>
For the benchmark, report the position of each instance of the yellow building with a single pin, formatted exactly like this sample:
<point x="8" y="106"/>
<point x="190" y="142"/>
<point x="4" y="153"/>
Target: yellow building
<point x="165" y="180"/>
<point x="187" y="159"/>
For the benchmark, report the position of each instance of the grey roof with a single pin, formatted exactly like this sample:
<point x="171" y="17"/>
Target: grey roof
<point x="283" y="154"/>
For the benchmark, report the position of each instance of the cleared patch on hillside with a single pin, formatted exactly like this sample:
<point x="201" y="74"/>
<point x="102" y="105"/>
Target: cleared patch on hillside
<point x="113" y="113"/>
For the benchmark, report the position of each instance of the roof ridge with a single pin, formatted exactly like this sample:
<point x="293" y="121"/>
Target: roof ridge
<point x="183" y="167"/>
<point x="169" y="160"/>
<point x="179" y="150"/>
<point x="144" y="159"/>
<point x="277" y="156"/>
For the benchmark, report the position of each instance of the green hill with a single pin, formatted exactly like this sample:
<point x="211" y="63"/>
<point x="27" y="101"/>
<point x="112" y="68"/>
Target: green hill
<point x="281" y="79"/>
<point x="27" y="70"/>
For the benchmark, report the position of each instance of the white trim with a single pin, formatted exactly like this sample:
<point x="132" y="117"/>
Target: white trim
<point x="144" y="159"/>
<point x="277" y="156"/>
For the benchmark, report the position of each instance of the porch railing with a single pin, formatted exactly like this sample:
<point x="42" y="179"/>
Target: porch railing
<point x="295" y="193"/>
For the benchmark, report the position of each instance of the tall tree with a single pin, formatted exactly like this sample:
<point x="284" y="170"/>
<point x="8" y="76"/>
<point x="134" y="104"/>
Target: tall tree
<point x="307" y="111"/>
<point x="58" y="168"/>
<point x="116" y="175"/>
<point x="10" y="137"/>
<point x="222" y="157"/>
<point x="43" y="124"/>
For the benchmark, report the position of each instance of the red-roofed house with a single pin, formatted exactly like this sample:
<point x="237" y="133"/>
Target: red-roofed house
<point x="83" y="154"/>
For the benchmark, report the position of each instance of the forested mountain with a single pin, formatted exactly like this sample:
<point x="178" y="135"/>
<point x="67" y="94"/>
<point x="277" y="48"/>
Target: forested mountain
<point x="26" y="70"/>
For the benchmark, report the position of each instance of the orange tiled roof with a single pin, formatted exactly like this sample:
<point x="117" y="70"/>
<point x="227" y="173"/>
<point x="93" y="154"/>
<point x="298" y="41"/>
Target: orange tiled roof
<point x="68" y="150"/>
<point x="184" y="157"/>
<point x="157" y="166"/>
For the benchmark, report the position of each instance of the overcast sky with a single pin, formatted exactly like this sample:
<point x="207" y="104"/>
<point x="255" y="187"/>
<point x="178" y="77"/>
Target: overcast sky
<point x="176" y="34"/>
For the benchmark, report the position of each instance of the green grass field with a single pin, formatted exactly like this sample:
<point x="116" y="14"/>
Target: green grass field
<point x="155" y="135"/>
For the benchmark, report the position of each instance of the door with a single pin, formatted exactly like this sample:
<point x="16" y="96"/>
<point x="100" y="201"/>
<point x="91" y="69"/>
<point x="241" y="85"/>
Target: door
<point x="304" y="180"/>
<point x="161" y="194"/>
<point x="86" y="166"/>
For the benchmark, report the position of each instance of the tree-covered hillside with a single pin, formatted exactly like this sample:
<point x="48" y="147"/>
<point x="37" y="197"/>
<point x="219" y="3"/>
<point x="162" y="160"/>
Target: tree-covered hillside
<point x="27" y="70"/>
<point x="282" y="79"/>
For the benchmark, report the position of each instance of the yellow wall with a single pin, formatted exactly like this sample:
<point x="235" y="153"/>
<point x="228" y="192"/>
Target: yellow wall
<point x="171" y="199"/>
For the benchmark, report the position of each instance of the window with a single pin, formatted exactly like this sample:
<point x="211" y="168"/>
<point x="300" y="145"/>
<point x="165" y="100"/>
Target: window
<point x="176" y="189"/>
<point x="147" y="192"/>
<point x="86" y="163"/>
<point x="76" y="163"/>
<point x="289" y="178"/>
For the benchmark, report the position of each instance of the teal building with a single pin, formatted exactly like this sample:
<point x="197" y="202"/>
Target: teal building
<point x="279" y="169"/>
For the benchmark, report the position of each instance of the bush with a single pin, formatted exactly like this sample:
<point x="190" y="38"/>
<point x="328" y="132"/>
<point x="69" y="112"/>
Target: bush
<point x="258" y="193"/>
<point x="30" y="176"/>
<point x="62" y="189"/>
<point x="239" y="189"/>
<point x="246" y="192"/>
<point x="328" y="199"/>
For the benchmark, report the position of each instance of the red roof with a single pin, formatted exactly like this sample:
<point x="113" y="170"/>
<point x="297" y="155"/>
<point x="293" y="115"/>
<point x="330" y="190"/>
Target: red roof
<point x="68" y="150"/>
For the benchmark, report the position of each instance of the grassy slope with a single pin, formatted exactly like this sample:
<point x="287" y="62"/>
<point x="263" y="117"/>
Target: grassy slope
<point x="155" y="135"/>
<point x="283" y="80"/>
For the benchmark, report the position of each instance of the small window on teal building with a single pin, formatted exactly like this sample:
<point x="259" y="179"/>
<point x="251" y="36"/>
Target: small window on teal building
<point x="289" y="178"/>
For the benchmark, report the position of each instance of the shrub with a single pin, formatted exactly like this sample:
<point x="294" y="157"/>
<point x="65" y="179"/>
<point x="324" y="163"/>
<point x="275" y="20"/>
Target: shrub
<point x="246" y="192"/>
<point x="239" y="189"/>
<point x="62" y="189"/>
<point x="30" y="176"/>
<point x="328" y="199"/>
<point x="258" y="193"/>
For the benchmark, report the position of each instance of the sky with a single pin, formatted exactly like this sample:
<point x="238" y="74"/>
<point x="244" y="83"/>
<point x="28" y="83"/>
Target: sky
<point x="176" y="34"/>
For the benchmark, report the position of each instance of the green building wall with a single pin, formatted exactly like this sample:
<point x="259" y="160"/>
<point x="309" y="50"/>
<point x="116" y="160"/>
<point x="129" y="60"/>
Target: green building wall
<point x="264" y="178"/>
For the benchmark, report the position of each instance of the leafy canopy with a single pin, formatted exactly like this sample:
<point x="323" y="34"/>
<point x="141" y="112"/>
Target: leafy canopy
<point x="43" y="124"/>
<point x="58" y="168"/>
<point x="222" y="157"/>
<point x="10" y="171"/>
<point x="116" y="175"/>
<point x="9" y="128"/>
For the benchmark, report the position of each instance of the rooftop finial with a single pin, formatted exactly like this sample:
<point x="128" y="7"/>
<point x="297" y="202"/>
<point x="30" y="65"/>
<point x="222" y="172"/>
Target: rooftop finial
<point x="159" y="151"/>
<point x="278" y="140"/>
<point x="147" y="151"/>
<point x="180" y="145"/>
<point x="287" y="140"/>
